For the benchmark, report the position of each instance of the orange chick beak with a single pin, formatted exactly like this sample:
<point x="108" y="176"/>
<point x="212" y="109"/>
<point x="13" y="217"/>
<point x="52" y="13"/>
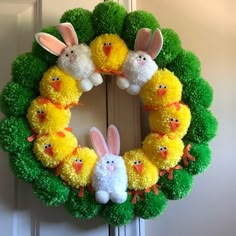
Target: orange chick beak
<point x="161" y="92"/>
<point x="41" y="117"/>
<point x="56" y="85"/>
<point x="107" y="49"/>
<point x="174" y="125"/>
<point x="164" y="154"/>
<point x="139" y="168"/>
<point x="49" y="151"/>
<point x="77" y="167"/>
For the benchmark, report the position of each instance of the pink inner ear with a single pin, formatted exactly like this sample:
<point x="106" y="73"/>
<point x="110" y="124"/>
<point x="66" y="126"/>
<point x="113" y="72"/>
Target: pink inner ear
<point x="142" y="39"/>
<point x="98" y="142"/>
<point x="68" y="33"/>
<point x="113" y="140"/>
<point x="156" y="44"/>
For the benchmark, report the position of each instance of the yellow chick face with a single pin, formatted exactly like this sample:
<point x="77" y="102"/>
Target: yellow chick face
<point x="59" y="87"/>
<point x="108" y="52"/>
<point x="78" y="167"/>
<point x="142" y="174"/>
<point x="45" y="117"/>
<point x="172" y="120"/>
<point x="162" y="89"/>
<point x="52" y="149"/>
<point x="163" y="151"/>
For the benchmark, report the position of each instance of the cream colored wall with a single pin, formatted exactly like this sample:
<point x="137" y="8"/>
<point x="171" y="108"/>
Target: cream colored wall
<point x="207" y="28"/>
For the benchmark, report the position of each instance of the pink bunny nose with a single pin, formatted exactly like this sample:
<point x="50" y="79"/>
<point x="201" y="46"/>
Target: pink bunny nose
<point x="110" y="168"/>
<point x="72" y="58"/>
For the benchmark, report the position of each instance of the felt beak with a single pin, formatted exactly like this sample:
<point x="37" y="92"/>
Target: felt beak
<point x="139" y="168"/>
<point x="41" y="117"/>
<point x="164" y="154"/>
<point x="56" y="85"/>
<point x="49" y="151"/>
<point x="161" y="92"/>
<point x="174" y="125"/>
<point x="107" y="50"/>
<point x="77" y="167"/>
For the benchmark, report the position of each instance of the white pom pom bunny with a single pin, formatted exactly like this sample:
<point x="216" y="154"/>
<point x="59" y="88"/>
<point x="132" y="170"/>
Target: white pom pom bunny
<point x="109" y="178"/>
<point x="139" y="65"/>
<point x="74" y="58"/>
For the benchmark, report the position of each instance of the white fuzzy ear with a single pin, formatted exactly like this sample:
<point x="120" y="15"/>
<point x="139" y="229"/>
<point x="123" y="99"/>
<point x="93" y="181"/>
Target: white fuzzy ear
<point x="50" y="43"/>
<point x="142" y="39"/>
<point x="156" y="44"/>
<point x="68" y="33"/>
<point x="113" y="140"/>
<point x="98" y="142"/>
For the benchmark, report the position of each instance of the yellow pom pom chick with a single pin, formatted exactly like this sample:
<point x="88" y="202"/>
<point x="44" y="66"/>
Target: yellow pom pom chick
<point x="45" y="117"/>
<point x="109" y="52"/>
<point x="163" y="151"/>
<point x="142" y="173"/>
<point x="172" y="120"/>
<point x="77" y="168"/>
<point x="59" y="87"/>
<point x="162" y="89"/>
<point x="51" y="149"/>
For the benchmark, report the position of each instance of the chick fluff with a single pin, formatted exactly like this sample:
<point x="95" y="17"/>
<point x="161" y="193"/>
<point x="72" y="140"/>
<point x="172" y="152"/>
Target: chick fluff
<point x="59" y="87"/>
<point x="51" y="149"/>
<point x="77" y="168"/>
<point x="163" y="151"/>
<point x="142" y="173"/>
<point x="46" y="117"/>
<point x="172" y="120"/>
<point x="108" y="52"/>
<point x="162" y="89"/>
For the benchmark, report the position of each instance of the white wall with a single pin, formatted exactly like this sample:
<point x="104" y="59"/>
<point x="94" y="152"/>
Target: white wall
<point x="207" y="28"/>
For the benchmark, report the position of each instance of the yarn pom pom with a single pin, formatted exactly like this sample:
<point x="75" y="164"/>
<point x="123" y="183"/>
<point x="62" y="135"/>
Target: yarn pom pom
<point x="82" y="207"/>
<point x="14" y="133"/>
<point x="118" y="214"/>
<point x="178" y="187"/>
<point x="135" y="21"/>
<point x="27" y="70"/>
<point x="153" y="205"/>
<point x="51" y="190"/>
<point x="81" y="19"/>
<point x="108" y="17"/>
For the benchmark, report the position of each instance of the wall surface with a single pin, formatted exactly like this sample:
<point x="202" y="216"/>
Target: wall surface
<point x="208" y="28"/>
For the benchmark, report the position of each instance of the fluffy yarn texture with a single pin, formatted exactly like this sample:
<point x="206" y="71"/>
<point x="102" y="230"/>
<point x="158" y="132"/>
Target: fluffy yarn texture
<point x="162" y="89"/>
<point x="51" y="149"/>
<point x="142" y="174"/>
<point x="59" y="87"/>
<point x="45" y="117"/>
<point x="163" y="151"/>
<point x="77" y="168"/>
<point x="108" y="52"/>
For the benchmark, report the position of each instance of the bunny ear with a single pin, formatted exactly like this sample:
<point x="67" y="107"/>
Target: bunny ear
<point x="142" y="39"/>
<point x="68" y="33"/>
<point x="50" y="43"/>
<point x="98" y="142"/>
<point x="113" y="140"/>
<point x="155" y="45"/>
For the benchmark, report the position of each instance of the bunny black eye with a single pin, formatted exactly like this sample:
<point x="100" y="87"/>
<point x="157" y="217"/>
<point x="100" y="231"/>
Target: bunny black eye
<point x="112" y="161"/>
<point x="67" y="55"/>
<point x="140" y="57"/>
<point x="108" y="162"/>
<point x="71" y="51"/>
<point x="144" y="58"/>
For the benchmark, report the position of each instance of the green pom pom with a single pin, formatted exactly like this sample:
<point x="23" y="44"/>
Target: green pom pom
<point x="81" y="20"/>
<point x="83" y="207"/>
<point x="171" y="48"/>
<point x="202" y="154"/>
<point x="15" y="99"/>
<point x="51" y="190"/>
<point x="197" y="92"/>
<point x="27" y="70"/>
<point x="152" y="206"/>
<point x="25" y="166"/>
<point x="118" y="214"/>
<point x="186" y="66"/>
<point x="178" y="187"/>
<point x="135" y="21"/>
<point x="43" y="54"/>
<point x="203" y="126"/>
<point x="14" y="133"/>
<point x="108" y="17"/>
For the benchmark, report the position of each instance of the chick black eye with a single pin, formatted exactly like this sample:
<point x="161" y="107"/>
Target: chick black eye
<point x="164" y="87"/>
<point x="58" y="79"/>
<point x="109" y="44"/>
<point x="139" y="162"/>
<point x="171" y="119"/>
<point x="45" y="146"/>
<point x="71" y="51"/>
<point x="38" y="111"/>
<point x="108" y="162"/>
<point x="135" y="162"/>
<point x="104" y="44"/>
<point x="160" y="148"/>
<point x="176" y="120"/>
<point x="49" y="145"/>
<point x="53" y="79"/>
<point x="160" y="86"/>
<point x="165" y="148"/>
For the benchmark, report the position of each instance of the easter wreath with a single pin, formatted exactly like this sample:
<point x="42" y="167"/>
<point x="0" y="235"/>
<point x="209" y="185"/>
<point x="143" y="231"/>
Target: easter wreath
<point x="44" y="86"/>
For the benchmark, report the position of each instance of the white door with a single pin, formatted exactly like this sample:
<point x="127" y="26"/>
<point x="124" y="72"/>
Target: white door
<point x="21" y="213"/>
